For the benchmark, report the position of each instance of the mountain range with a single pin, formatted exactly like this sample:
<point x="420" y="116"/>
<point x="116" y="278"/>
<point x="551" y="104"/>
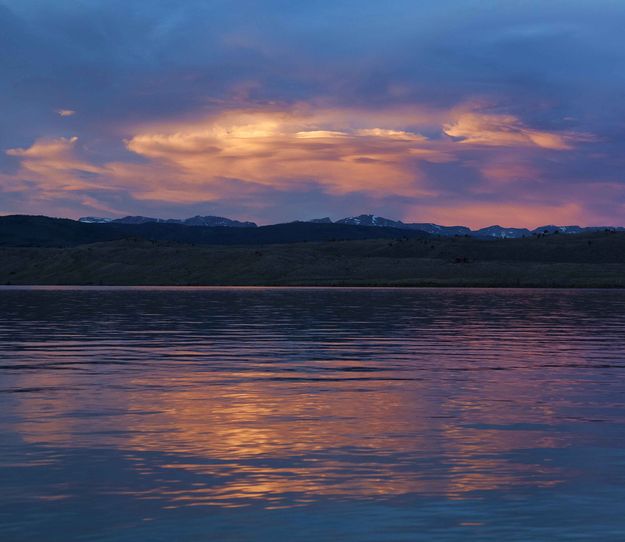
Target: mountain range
<point x="209" y="221"/>
<point x="43" y="231"/>
<point x="369" y="220"/>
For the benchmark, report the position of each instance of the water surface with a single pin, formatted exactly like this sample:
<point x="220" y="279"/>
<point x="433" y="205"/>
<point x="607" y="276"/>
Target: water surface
<point x="194" y="414"/>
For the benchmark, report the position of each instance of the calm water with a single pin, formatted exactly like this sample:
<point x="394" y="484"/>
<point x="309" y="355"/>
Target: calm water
<point x="311" y="414"/>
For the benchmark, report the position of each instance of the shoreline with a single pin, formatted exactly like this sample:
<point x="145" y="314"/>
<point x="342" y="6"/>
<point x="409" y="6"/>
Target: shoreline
<point x="95" y="287"/>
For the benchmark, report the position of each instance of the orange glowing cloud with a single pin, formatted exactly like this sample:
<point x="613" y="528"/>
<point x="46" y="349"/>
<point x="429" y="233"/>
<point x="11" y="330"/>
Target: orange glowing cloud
<point x="45" y="149"/>
<point x="281" y="149"/>
<point x="343" y="150"/>
<point x="237" y="153"/>
<point x="472" y="128"/>
<point x="65" y="112"/>
<point x="55" y="164"/>
<point x="57" y="167"/>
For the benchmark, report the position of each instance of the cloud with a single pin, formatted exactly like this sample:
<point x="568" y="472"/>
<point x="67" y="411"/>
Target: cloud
<point x="391" y="134"/>
<point x="347" y="150"/>
<point x="50" y="178"/>
<point x="53" y="162"/>
<point x="243" y="155"/>
<point x="320" y="134"/>
<point x="284" y="148"/>
<point x="504" y="131"/>
<point x="44" y="149"/>
<point x="65" y="112"/>
<point x="402" y="108"/>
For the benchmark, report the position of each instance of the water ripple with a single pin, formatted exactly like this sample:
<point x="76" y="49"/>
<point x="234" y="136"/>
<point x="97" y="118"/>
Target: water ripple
<point x="156" y="402"/>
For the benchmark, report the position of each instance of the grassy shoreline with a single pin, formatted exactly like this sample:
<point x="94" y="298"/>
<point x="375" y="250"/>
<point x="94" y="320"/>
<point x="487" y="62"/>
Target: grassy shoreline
<point x="595" y="261"/>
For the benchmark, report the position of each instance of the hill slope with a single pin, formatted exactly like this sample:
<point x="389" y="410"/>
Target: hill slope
<point x="41" y="231"/>
<point x="589" y="260"/>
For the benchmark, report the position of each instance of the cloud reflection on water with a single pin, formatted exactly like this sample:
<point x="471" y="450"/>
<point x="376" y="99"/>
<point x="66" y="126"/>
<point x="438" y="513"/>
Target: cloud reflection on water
<point x="285" y="400"/>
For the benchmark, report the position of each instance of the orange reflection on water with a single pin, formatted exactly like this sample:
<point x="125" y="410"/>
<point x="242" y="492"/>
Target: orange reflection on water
<point x="255" y="412"/>
<point x="258" y="436"/>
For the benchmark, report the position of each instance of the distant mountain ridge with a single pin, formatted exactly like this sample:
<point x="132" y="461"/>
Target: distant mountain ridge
<point x="43" y="231"/>
<point x="210" y="221"/>
<point x="378" y="221"/>
<point x="495" y="231"/>
<point x="369" y="220"/>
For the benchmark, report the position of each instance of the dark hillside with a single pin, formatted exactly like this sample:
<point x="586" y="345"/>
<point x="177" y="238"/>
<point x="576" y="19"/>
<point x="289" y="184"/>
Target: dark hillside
<point x="41" y="231"/>
<point x="595" y="260"/>
<point x="594" y="248"/>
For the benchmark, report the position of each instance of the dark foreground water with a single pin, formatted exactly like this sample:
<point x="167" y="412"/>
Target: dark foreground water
<point x="291" y="415"/>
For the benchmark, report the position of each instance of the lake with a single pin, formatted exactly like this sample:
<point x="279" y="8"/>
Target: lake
<point x="268" y="414"/>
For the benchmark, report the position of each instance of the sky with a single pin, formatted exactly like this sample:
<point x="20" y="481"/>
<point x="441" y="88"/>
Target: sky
<point x="468" y="112"/>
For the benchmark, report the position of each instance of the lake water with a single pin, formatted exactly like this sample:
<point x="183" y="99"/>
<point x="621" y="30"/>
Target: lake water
<point x="189" y="414"/>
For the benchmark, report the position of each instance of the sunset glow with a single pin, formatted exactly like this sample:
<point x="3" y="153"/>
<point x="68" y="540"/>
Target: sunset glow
<point x="276" y="123"/>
